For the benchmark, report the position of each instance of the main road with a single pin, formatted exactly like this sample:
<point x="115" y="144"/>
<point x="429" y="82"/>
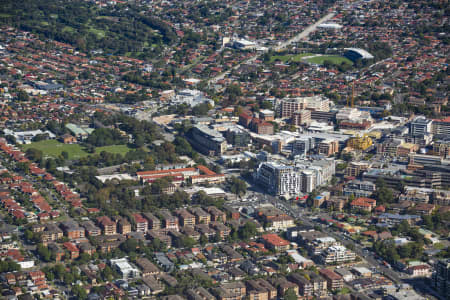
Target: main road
<point x="298" y="37"/>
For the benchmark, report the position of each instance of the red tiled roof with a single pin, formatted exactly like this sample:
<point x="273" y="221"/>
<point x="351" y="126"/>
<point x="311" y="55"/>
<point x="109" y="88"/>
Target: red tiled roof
<point x="275" y="240"/>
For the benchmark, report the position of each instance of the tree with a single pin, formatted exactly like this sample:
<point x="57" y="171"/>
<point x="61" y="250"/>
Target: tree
<point x="44" y="253"/>
<point x="159" y="185"/>
<point x="22" y="96"/>
<point x="248" y="230"/>
<point x="184" y="242"/>
<point x="34" y="154"/>
<point x="79" y="292"/>
<point x="203" y="240"/>
<point x="65" y="154"/>
<point x="130" y="245"/>
<point x="290" y="294"/>
<point x="8" y="266"/>
<point x="238" y="186"/>
<point x="383" y="194"/>
<point x="10" y="139"/>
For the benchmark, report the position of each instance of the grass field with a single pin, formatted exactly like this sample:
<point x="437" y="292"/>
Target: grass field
<point x="116" y="149"/>
<point x="290" y="57"/>
<point x="54" y="148"/>
<point x="335" y="59"/>
<point x="98" y="32"/>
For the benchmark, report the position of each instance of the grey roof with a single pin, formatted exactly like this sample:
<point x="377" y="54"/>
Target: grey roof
<point x="398" y="217"/>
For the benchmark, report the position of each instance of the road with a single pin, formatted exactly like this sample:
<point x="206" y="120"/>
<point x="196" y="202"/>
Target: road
<point x="299" y="213"/>
<point x="298" y="37"/>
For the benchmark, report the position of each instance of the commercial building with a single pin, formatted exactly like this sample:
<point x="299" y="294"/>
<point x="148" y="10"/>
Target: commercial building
<point x="291" y="105"/>
<point x="441" y="126"/>
<point x="420" y="126"/>
<point x="423" y="159"/>
<point x="421" y="270"/>
<point x="302" y="145"/>
<point x="441" y="277"/>
<point x="279" y="179"/>
<point x="301" y="117"/>
<point x="208" y="141"/>
<point x="237" y="137"/>
<point x="442" y="147"/>
<point x="328" y="147"/>
<point x="359" y="188"/>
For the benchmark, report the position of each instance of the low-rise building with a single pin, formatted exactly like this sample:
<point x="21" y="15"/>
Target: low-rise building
<point x="141" y="223"/>
<point x="364" y="204"/>
<point x="337" y="254"/>
<point x="334" y="280"/>
<point x="260" y="289"/>
<point x="147" y="267"/>
<point x="124" y="268"/>
<point x="91" y="229"/>
<point x="107" y="225"/>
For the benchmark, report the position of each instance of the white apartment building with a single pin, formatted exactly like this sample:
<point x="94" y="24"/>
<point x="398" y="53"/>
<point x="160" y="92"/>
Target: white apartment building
<point x="291" y="105"/>
<point x="337" y="254"/>
<point x="124" y="268"/>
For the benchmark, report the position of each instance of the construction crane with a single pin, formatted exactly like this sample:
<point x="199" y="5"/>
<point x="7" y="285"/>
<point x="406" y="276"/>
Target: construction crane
<point x="353" y="96"/>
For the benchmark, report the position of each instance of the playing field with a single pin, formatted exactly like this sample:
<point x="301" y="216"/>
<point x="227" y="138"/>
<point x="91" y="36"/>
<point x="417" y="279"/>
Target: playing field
<point x="290" y="57"/>
<point x="334" y="59"/>
<point x="54" y="148"/>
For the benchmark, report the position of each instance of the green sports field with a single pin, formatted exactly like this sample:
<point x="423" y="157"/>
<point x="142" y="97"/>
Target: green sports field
<point x="54" y="148"/>
<point x="290" y="57"/>
<point x="335" y="59"/>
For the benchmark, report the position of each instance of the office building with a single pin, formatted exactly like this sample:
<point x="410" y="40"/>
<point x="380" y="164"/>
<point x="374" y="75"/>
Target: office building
<point x="441" y="277"/>
<point x="291" y="105"/>
<point x="208" y="141"/>
<point x="301" y="117"/>
<point x="237" y="137"/>
<point x="302" y="145"/>
<point x="359" y="188"/>
<point x="420" y="126"/>
<point x="279" y="179"/>
<point x="441" y="127"/>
